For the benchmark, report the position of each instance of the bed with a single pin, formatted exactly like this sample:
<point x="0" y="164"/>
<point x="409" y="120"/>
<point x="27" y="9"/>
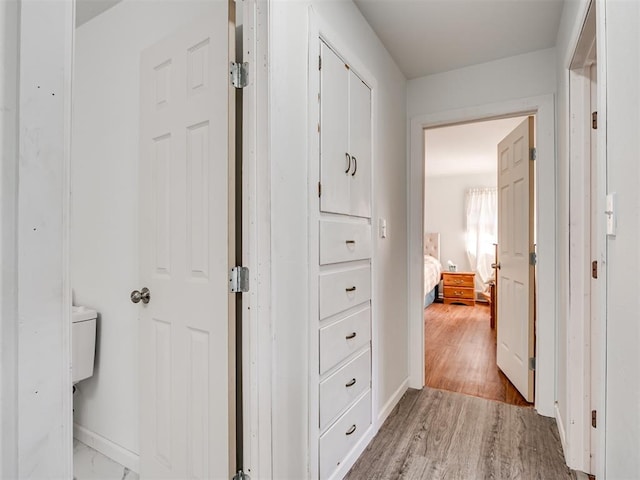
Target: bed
<point x="432" y="267"/>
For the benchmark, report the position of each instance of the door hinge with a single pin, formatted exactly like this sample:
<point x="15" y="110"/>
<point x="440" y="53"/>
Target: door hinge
<point x="239" y="73"/>
<point x="532" y="363"/>
<point x="594" y="120"/>
<point x="239" y="280"/>
<point x="319" y="62"/>
<point x="241" y="476"/>
<point x="594" y="269"/>
<point x="533" y="153"/>
<point x="533" y="258"/>
<point x="319" y="189"/>
<point x="594" y="418"/>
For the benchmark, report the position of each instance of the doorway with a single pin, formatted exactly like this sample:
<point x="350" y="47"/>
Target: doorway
<point x="461" y="235"/>
<point x="152" y="239"/>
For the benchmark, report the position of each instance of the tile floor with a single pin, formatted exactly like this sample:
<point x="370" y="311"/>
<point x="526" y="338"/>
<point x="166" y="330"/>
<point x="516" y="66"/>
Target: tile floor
<point x="89" y="464"/>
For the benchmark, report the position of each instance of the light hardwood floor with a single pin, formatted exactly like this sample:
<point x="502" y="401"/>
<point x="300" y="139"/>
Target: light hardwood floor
<point x="460" y="353"/>
<point x="436" y="435"/>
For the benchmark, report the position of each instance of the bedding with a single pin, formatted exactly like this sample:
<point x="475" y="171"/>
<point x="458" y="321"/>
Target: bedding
<point x="432" y="273"/>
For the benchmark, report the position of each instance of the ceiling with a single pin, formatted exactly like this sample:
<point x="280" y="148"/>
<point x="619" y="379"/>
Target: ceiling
<point x="87" y="9"/>
<point x="431" y="36"/>
<point x="466" y="149"/>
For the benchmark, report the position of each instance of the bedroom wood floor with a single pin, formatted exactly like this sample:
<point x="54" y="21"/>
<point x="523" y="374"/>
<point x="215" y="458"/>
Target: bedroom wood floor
<point x="460" y="353"/>
<point x="437" y="435"/>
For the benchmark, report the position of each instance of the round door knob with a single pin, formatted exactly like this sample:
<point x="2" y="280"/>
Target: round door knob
<point x="496" y="265"/>
<point x="144" y="295"/>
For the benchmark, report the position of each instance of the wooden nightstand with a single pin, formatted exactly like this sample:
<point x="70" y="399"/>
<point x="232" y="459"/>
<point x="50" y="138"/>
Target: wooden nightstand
<point x="459" y="287"/>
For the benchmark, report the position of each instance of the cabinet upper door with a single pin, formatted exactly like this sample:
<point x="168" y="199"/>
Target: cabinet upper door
<point x="335" y="160"/>
<point x="360" y="146"/>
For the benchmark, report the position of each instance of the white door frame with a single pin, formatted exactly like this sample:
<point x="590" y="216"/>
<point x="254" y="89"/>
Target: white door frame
<point x="44" y="45"/>
<point x="543" y="108"/>
<point x="36" y="331"/>
<point x="588" y="359"/>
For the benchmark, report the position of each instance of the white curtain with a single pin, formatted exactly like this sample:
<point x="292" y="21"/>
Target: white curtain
<point x="482" y="231"/>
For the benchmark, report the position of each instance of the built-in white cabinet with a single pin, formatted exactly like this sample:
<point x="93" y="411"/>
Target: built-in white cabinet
<point x="342" y="249"/>
<point x="345" y="138"/>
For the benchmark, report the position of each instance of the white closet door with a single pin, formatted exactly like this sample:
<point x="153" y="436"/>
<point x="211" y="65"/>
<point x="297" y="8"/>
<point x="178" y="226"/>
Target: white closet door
<point x="186" y="408"/>
<point x="360" y="146"/>
<point x="335" y="163"/>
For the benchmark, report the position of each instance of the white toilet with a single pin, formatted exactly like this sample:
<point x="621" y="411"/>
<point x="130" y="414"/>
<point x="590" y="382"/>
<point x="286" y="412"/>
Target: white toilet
<point x="83" y="339"/>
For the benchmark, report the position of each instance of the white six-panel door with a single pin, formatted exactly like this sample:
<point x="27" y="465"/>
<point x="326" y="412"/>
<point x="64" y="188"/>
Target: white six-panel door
<point x="186" y="385"/>
<point x="515" y="333"/>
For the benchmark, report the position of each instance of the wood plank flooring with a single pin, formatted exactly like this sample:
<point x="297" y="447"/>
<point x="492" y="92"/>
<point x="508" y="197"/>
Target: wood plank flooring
<point x="460" y="353"/>
<point x="434" y="435"/>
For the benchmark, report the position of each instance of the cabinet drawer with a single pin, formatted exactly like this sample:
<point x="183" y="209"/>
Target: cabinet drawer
<point x="457" y="280"/>
<point x="344" y="289"/>
<point x="343" y="435"/>
<point x="343" y="242"/>
<point x="341" y="339"/>
<point x="339" y="390"/>
<point x="459" y="292"/>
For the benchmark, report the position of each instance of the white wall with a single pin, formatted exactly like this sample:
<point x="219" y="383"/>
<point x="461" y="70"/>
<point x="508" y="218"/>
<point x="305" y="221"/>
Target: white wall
<point x="105" y="202"/>
<point x="8" y="244"/>
<point x="288" y="139"/>
<point x="445" y="212"/>
<point x="511" y="78"/>
<point x="623" y="252"/>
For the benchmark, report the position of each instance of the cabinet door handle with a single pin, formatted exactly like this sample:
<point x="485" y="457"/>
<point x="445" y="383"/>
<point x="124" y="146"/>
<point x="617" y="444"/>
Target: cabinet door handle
<point x="351" y="335"/>
<point x="351" y="289"/>
<point x="351" y="430"/>
<point x="355" y="166"/>
<point x="350" y="383"/>
<point x="348" y="163"/>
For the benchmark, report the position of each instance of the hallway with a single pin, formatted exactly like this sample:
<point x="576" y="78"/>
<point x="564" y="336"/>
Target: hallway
<point x="433" y="434"/>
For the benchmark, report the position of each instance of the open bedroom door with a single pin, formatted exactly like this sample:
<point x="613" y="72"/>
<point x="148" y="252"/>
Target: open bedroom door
<point x="515" y="330"/>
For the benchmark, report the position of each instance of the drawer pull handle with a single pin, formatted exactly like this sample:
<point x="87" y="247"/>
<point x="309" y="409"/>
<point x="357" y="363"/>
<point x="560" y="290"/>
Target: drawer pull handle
<point x="351" y="383"/>
<point x="350" y="336"/>
<point x="457" y="282"/>
<point x="459" y="293"/>
<point x="351" y="430"/>
<point x="350" y="242"/>
<point x="351" y="289"/>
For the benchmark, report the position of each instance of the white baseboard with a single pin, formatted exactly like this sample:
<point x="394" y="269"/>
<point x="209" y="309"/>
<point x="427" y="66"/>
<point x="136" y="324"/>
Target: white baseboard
<point x="561" y="431"/>
<point x="391" y="404"/>
<point x="124" y="457"/>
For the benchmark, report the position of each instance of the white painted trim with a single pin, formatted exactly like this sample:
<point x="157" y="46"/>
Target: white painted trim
<point x="543" y="107"/>
<point x="586" y="360"/>
<point x="44" y="303"/>
<point x="600" y="363"/>
<point x="9" y="61"/>
<point x="561" y="430"/>
<point x="257" y="322"/>
<point x="115" y="452"/>
<point x="391" y="403"/>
